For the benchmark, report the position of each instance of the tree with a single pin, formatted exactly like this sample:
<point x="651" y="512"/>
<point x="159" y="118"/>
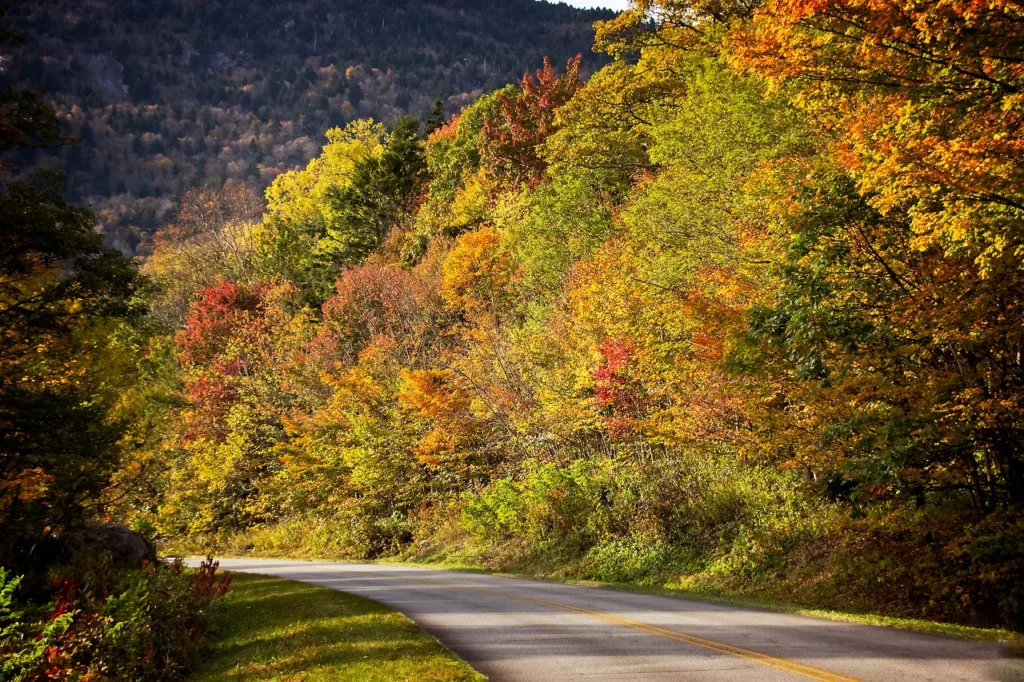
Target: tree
<point x="436" y="120"/>
<point x="234" y="352"/>
<point x="380" y="197"/>
<point x="213" y="236"/>
<point x="899" y="363"/>
<point x="510" y="140"/>
<point x="299" y="207"/>
<point x="61" y="297"/>
<point x="916" y="255"/>
<point x="924" y="100"/>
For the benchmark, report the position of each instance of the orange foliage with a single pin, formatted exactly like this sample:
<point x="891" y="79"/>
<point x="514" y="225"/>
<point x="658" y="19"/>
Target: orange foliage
<point x="436" y="395"/>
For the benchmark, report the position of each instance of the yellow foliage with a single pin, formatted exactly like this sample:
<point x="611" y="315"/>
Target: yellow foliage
<point x="473" y="198"/>
<point x="477" y="273"/>
<point x="299" y="197"/>
<point x="436" y="395"/>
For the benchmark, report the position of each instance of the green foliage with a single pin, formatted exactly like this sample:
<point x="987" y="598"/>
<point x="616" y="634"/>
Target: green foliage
<point x="24" y="647"/>
<point x="454" y="150"/>
<point x="378" y="198"/>
<point x="698" y="504"/>
<point x="62" y="298"/>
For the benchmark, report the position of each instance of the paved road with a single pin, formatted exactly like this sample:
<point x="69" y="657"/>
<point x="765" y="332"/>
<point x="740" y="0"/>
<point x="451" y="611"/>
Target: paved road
<point x="526" y="631"/>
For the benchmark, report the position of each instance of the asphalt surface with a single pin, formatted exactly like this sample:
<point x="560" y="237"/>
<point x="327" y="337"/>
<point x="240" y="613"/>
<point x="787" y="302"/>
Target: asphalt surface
<point x="515" y="630"/>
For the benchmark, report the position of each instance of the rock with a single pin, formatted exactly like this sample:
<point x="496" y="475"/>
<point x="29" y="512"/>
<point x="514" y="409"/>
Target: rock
<point x="127" y="548"/>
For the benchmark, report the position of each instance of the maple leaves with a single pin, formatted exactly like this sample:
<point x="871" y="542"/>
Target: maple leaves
<point x="218" y="313"/>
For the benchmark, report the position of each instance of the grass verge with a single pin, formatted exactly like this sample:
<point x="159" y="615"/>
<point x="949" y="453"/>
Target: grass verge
<point x="274" y="630"/>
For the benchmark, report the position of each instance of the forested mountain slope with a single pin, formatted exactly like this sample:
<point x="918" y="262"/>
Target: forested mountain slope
<point x="169" y="94"/>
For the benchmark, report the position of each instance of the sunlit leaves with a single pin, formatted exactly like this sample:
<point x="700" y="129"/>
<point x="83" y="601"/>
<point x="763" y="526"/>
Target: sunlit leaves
<point x="510" y="139"/>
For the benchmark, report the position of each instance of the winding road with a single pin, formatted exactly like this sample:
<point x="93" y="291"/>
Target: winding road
<point x="516" y="630"/>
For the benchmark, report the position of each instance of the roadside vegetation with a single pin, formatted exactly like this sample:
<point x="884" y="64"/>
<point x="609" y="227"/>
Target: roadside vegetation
<point x="273" y="630"/>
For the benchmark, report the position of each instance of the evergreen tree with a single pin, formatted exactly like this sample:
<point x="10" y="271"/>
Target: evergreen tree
<point x="379" y="197"/>
<point x="437" y="119"/>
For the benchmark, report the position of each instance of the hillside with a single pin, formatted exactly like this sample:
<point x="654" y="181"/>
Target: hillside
<point x="169" y="94"/>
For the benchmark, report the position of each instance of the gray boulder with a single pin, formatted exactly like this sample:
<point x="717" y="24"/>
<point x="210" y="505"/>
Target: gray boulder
<point x="127" y="548"/>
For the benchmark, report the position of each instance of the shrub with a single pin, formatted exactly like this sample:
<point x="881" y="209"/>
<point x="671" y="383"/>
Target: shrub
<point x="132" y="626"/>
<point x="700" y="503"/>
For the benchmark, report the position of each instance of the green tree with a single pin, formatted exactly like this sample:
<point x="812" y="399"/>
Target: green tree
<point x="379" y="198"/>
<point x="61" y="296"/>
<point x="436" y="120"/>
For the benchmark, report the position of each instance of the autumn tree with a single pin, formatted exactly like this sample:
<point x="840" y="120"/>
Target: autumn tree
<point x="915" y="256"/>
<point x="215" y="234"/>
<point x="299" y="210"/>
<point x="234" y="350"/>
<point x="509" y="141"/>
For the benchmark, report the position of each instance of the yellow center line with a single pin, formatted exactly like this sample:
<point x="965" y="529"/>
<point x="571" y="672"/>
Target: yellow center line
<point x="748" y="654"/>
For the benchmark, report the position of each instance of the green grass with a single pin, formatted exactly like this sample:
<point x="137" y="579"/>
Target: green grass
<point x="274" y="630"/>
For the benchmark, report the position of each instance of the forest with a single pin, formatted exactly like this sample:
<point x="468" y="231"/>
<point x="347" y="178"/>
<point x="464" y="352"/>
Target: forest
<point x="740" y="313"/>
<point x="170" y="94"/>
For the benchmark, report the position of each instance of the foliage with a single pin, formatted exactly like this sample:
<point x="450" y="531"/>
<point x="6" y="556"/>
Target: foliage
<point x="379" y="197"/>
<point x="134" y="625"/>
<point x="906" y="250"/>
<point x="63" y="298"/>
<point x="298" y="209"/>
<point x="215" y="234"/>
<point x="510" y="139"/>
<point x="234" y="344"/>
<point x="740" y="313"/>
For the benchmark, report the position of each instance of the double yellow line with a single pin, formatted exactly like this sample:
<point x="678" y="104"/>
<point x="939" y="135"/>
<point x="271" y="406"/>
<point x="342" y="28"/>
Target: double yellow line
<point x="748" y="654"/>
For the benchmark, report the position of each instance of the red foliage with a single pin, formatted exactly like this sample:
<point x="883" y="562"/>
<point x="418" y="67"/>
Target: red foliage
<point x="205" y="583"/>
<point x="374" y="300"/>
<point x="212" y="394"/>
<point x="229" y="334"/>
<point x="509" y="141"/>
<point x="214" y="317"/>
<point x="617" y="392"/>
<point x="66" y="597"/>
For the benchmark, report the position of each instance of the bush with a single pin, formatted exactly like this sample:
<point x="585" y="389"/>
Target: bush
<point x="355" y="529"/>
<point x="634" y="560"/>
<point x="132" y="626"/>
<point x="699" y="504"/>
